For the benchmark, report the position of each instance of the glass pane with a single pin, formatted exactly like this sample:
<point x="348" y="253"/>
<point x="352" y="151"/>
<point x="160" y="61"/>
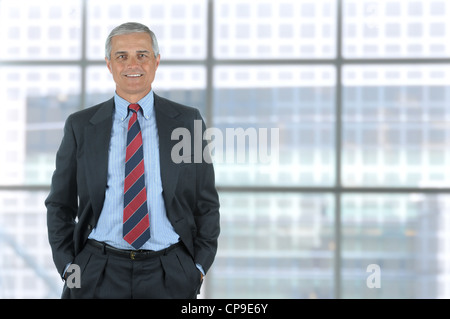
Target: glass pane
<point x="180" y="26"/>
<point x="387" y="28"/>
<point x="274" y="29"/>
<point x="181" y="84"/>
<point x="36" y="102"/>
<point x="27" y="269"/>
<point x="274" y="246"/>
<point x="396" y="126"/>
<point x="100" y="85"/>
<point x="298" y="101"/>
<point x="405" y="235"/>
<point x="40" y="30"/>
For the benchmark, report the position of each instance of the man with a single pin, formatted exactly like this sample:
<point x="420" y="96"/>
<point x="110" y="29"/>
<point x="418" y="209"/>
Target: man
<point x="136" y="223"/>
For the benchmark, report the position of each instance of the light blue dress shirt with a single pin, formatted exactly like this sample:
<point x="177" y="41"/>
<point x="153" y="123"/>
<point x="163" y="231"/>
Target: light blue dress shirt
<point x="109" y="226"/>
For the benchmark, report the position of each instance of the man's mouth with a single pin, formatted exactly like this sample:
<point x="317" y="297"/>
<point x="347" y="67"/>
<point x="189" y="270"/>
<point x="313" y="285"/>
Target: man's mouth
<point x="133" y="75"/>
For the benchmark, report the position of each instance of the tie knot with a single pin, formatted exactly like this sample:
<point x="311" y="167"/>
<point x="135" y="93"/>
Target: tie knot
<point x="134" y="107"/>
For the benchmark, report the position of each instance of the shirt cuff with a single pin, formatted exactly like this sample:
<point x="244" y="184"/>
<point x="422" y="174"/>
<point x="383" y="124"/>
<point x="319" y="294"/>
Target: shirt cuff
<point x="200" y="268"/>
<point x="65" y="270"/>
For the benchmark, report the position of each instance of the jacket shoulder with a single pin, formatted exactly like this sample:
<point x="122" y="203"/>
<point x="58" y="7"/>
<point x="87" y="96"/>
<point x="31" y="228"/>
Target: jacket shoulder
<point x="85" y="115"/>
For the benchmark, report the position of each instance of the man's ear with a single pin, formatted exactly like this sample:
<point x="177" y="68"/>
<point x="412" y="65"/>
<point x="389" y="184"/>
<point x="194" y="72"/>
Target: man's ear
<point x="158" y="59"/>
<point x="108" y="64"/>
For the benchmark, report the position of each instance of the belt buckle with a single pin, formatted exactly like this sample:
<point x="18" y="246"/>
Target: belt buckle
<point x="133" y="255"/>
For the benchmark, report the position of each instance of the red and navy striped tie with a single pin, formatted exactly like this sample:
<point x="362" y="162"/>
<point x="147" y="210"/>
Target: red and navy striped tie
<point x="136" y="224"/>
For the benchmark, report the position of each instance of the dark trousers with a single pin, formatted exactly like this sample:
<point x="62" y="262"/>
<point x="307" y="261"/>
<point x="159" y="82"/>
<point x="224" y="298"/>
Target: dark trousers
<point x="112" y="276"/>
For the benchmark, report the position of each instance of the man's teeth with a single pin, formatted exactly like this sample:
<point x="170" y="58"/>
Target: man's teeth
<point x="134" y="75"/>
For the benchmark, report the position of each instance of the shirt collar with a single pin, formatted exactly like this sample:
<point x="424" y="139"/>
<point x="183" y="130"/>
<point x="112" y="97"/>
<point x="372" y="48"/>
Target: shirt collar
<point x="146" y="104"/>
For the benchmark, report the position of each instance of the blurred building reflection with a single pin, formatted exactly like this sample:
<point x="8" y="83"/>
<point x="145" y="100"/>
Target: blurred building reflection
<point x="362" y="175"/>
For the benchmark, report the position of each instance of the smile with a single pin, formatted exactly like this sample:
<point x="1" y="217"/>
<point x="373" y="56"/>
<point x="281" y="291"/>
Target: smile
<point x="133" y="75"/>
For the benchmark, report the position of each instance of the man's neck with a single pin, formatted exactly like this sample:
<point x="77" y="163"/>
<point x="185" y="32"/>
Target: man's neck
<point x="132" y="98"/>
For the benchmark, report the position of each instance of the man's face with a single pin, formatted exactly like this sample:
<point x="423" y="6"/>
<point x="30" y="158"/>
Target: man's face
<point x="133" y="65"/>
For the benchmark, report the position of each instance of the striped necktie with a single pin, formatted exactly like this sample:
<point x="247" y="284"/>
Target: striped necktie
<point x="136" y="224"/>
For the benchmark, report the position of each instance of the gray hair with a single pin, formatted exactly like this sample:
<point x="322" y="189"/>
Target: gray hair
<point x="127" y="28"/>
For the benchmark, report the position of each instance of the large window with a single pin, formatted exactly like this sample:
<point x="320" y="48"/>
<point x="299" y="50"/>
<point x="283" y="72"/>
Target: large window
<point x="356" y="88"/>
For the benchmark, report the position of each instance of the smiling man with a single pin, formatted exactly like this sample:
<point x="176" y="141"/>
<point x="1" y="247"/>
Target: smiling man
<point x="133" y="63"/>
<point x="137" y="224"/>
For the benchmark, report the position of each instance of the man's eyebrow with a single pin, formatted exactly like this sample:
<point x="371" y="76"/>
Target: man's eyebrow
<point x="126" y="52"/>
<point x="143" y="51"/>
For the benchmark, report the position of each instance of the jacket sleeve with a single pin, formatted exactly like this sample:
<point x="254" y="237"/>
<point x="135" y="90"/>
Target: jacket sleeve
<point x="206" y="214"/>
<point x="62" y="201"/>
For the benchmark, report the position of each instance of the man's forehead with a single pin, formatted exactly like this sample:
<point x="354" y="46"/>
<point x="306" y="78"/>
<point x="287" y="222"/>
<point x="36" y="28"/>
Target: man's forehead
<point x="131" y="38"/>
<point x="131" y="43"/>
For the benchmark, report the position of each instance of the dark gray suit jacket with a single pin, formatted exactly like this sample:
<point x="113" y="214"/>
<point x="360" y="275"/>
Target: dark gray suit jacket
<point x="79" y="182"/>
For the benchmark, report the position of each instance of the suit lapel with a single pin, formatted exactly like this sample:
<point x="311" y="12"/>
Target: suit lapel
<point x="97" y="140"/>
<point x="166" y="122"/>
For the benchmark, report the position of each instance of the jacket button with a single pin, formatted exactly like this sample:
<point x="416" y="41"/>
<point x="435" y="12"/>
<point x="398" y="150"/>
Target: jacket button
<point x="89" y="227"/>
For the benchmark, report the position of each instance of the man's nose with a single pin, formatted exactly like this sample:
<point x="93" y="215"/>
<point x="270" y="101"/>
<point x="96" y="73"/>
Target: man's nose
<point x="132" y="62"/>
